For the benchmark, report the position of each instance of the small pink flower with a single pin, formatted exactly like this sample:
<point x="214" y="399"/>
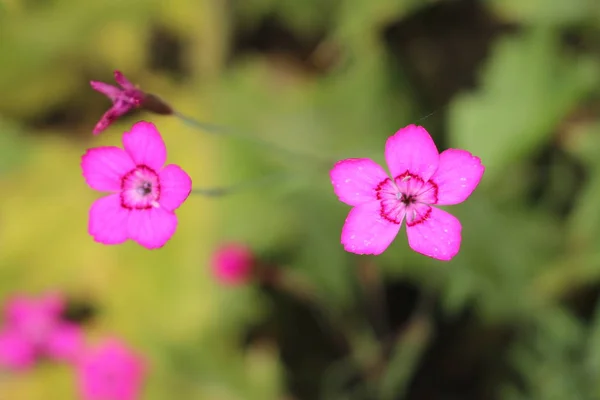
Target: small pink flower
<point x="144" y="195"/>
<point x="421" y="177"/>
<point x="232" y="264"/>
<point x="124" y="99"/>
<point x="35" y="328"/>
<point x="110" y="372"/>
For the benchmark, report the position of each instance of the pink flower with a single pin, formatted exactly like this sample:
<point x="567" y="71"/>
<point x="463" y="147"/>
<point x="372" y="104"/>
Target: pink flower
<point x="124" y="99"/>
<point x="144" y="194"/>
<point x="110" y="372"/>
<point x="232" y="264"/>
<point x="34" y="328"/>
<point x="421" y="177"/>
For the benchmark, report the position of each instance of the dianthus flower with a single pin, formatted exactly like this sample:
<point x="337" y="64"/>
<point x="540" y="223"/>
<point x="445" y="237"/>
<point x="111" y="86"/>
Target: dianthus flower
<point x="35" y="328"/>
<point x="420" y="178"/>
<point x="110" y="371"/>
<point x="232" y="263"/>
<point x="125" y="99"/>
<point x="144" y="194"/>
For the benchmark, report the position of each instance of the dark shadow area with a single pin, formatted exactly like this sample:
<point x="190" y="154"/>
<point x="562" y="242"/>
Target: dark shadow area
<point x="465" y="361"/>
<point x="167" y="53"/>
<point x="557" y="181"/>
<point x="271" y="37"/>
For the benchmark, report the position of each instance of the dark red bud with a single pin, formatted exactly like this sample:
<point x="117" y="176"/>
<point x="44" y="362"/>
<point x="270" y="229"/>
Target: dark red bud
<point x="156" y="105"/>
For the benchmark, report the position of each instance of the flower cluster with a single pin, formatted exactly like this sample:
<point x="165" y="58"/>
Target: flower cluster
<point x="144" y="194"/>
<point x="36" y="329"/>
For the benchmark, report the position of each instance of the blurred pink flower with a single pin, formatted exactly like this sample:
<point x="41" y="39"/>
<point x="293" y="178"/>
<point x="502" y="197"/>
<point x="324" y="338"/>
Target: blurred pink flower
<point x="34" y="328"/>
<point x="421" y="178"/>
<point x="110" y="371"/>
<point x="232" y="264"/>
<point x="144" y="194"/>
<point x="124" y="99"/>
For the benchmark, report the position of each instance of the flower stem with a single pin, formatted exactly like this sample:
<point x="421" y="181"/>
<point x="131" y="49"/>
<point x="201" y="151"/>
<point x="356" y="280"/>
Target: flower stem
<point x="220" y="191"/>
<point x="221" y="130"/>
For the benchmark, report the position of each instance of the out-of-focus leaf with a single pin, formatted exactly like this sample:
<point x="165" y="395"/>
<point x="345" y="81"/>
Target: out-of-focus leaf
<point x="583" y="228"/>
<point x="405" y="357"/>
<point x="549" y="356"/>
<point x="528" y="86"/>
<point x="359" y="20"/>
<point x="545" y="12"/>
<point x="13" y="146"/>
<point x="592" y="352"/>
<point x="502" y="251"/>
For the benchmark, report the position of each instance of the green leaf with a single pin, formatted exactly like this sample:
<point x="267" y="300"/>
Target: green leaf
<point x="12" y="145"/>
<point x="405" y="356"/>
<point x="527" y="88"/>
<point x="545" y="12"/>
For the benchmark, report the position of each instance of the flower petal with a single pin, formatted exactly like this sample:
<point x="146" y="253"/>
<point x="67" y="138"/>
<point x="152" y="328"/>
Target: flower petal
<point x="412" y="149"/>
<point x="112" y="92"/>
<point x="355" y="180"/>
<point x="145" y="145"/>
<point x="175" y="186"/>
<point x="438" y="236"/>
<point x="366" y="231"/>
<point x="103" y="168"/>
<point x="110" y="371"/>
<point x="108" y="118"/>
<point x="108" y="220"/>
<point x="122" y="81"/>
<point x="65" y="342"/>
<point x="152" y="227"/>
<point x="15" y="350"/>
<point x="457" y="176"/>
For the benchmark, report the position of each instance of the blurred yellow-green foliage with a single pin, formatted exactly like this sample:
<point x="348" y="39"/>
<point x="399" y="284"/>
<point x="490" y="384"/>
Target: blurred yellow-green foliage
<point x="513" y="316"/>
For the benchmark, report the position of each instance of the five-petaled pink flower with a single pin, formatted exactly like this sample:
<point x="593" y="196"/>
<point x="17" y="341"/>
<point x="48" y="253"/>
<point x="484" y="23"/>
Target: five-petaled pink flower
<point x="35" y="328"/>
<point x="124" y="99"/>
<point x="110" y="372"/>
<point x="144" y="194"/>
<point x="421" y="177"/>
<point x="232" y="263"/>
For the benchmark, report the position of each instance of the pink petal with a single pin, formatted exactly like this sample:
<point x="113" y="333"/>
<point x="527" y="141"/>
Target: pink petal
<point x="103" y="168"/>
<point x="175" y="186"/>
<point x="438" y="236"/>
<point x="232" y="264"/>
<point x="52" y="304"/>
<point x="107" y="119"/>
<point x="34" y="318"/>
<point x="16" y="352"/>
<point x="457" y="176"/>
<point x="110" y="371"/>
<point x="65" y="342"/>
<point x="110" y="91"/>
<point x="153" y="227"/>
<point x="124" y="82"/>
<point x="366" y="231"/>
<point x="108" y="220"/>
<point x="355" y="180"/>
<point x="145" y="145"/>
<point x="412" y="149"/>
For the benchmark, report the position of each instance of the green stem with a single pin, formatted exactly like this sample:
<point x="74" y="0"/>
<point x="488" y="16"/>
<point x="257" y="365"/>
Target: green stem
<point x="221" y="130"/>
<point x="227" y="190"/>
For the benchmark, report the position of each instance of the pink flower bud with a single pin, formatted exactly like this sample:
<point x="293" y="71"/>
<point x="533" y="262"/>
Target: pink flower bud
<point x="233" y="263"/>
<point x="125" y="98"/>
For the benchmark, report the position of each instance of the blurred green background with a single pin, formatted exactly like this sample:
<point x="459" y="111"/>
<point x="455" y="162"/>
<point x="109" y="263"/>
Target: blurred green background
<point x="514" y="316"/>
